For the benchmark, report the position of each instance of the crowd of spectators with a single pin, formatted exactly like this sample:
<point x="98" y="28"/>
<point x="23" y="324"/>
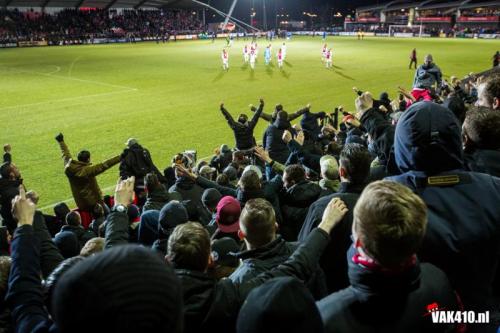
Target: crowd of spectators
<point x="363" y="221"/>
<point x="87" y="24"/>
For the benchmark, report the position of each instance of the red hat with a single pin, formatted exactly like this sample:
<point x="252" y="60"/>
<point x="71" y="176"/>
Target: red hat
<point x="228" y="215"/>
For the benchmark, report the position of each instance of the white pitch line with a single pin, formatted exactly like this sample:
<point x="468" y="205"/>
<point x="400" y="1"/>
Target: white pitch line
<point x="67" y="99"/>
<point x="73" y="79"/>
<point x="58" y="69"/>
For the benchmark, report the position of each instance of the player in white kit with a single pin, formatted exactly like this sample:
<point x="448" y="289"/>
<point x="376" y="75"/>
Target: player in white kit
<point x="323" y="53"/>
<point x="253" y="56"/>
<point x="225" y="60"/>
<point x="329" y="59"/>
<point x="246" y="54"/>
<point x="280" y="58"/>
<point x="283" y="51"/>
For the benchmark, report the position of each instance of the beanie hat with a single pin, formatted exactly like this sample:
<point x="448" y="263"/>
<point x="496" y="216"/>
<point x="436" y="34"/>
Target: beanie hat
<point x="126" y="289"/>
<point x="281" y="305"/>
<point x="211" y="197"/>
<point x="228" y="214"/>
<point x="224" y="252"/>
<point x="171" y="215"/>
<point x="67" y="243"/>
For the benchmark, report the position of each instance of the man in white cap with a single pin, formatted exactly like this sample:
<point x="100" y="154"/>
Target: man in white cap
<point x="330" y="181"/>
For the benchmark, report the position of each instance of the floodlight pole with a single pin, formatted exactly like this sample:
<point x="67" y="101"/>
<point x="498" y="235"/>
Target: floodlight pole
<point x="265" y="14"/>
<point x="238" y="22"/>
<point x="231" y="9"/>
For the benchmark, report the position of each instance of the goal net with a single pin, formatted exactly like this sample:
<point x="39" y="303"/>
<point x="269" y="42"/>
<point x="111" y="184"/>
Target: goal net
<point x="406" y="30"/>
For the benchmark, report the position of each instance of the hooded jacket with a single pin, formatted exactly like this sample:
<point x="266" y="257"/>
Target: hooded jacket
<point x="385" y="301"/>
<point x="463" y="232"/>
<point x="8" y="190"/>
<point x="273" y="142"/>
<point x="82" y="178"/>
<point x="426" y="76"/>
<point x="155" y="200"/>
<point x="295" y="202"/>
<point x="136" y="161"/>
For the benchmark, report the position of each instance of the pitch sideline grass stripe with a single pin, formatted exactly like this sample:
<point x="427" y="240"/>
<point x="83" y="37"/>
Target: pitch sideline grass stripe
<point x="67" y="99"/>
<point x="74" y="79"/>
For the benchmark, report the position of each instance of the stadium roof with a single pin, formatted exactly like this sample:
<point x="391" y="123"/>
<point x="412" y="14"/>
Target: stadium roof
<point x="100" y="3"/>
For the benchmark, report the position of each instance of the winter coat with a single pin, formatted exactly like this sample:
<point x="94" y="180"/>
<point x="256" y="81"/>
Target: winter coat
<point x="155" y="200"/>
<point x="8" y="190"/>
<point x="295" y="202"/>
<point x="269" y="256"/>
<point x="212" y="306"/>
<point x="383" y="301"/>
<point x="273" y="142"/>
<point x="81" y="234"/>
<point x="82" y="178"/>
<point x="427" y="76"/>
<point x="243" y="133"/>
<point x="190" y="191"/>
<point x="463" y="232"/>
<point x="483" y="161"/>
<point x="333" y="260"/>
<point x="136" y="161"/>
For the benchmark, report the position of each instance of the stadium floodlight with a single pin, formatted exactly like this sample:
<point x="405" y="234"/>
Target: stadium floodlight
<point x="237" y="22"/>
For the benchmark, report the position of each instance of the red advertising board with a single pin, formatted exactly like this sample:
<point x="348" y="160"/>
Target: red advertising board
<point x="434" y="19"/>
<point x="478" y="19"/>
<point x="368" y="19"/>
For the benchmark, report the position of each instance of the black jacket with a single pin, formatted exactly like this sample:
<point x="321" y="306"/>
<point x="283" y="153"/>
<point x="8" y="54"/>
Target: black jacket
<point x="81" y="234"/>
<point x="190" y="191"/>
<point x="295" y="203"/>
<point x="333" y="260"/>
<point x="388" y="302"/>
<point x="243" y="133"/>
<point x="136" y="161"/>
<point x="273" y="142"/>
<point x="484" y="161"/>
<point x="8" y="190"/>
<point x="211" y="306"/>
<point x="310" y="125"/>
<point x="269" y="256"/>
<point x="155" y="200"/>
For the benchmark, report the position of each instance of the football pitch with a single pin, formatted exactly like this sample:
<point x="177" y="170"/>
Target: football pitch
<point x="168" y="95"/>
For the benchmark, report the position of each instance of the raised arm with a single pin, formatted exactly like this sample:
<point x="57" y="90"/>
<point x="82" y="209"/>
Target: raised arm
<point x="117" y="222"/>
<point x="94" y="170"/>
<point x="205" y="183"/>
<point x="24" y="296"/>
<point x="66" y="155"/>
<point x="257" y="114"/>
<point x="299" y="113"/>
<point x="227" y="115"/>
<point x="50" y="257"/>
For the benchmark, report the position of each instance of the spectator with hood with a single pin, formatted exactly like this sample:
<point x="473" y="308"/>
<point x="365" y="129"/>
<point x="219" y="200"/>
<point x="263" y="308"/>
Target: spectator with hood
<point x="463" y="233"/>
<point x="428" y="77"/>
<point x="136" y="161"/>
<point x="171" y="215"/>
<point x="243" y="128"/>
<point x="82" y="174"/>
<point x="223" y="157"/>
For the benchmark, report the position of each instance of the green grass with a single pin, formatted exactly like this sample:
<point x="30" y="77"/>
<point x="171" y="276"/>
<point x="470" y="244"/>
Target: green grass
<point x="168" y="95"/>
